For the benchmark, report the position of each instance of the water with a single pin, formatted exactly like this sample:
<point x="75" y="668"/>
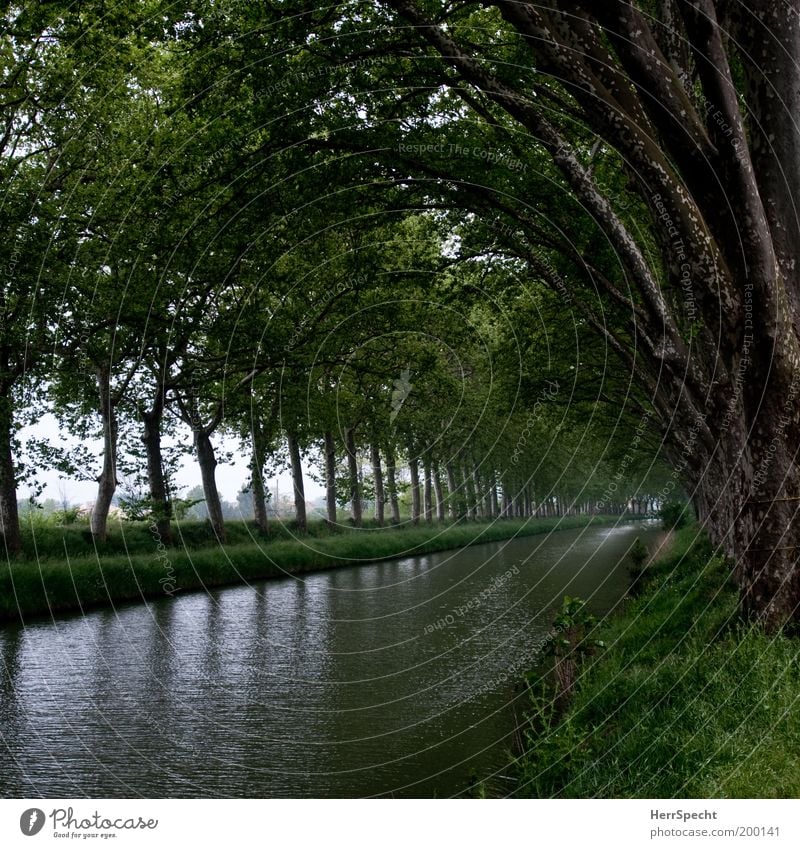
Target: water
<point x="335" y="684"/>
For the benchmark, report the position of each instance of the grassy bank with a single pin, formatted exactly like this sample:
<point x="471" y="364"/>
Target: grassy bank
<point x="52" y="584"/>
<point x="684" y="701"/>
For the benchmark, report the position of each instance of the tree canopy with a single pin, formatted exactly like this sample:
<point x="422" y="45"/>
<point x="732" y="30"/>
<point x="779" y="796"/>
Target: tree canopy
<point x="523" y="258"/>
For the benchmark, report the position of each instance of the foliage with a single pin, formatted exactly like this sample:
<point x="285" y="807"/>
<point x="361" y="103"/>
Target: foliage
<point x="638" y="556"/>
<point x="675" y="514"/>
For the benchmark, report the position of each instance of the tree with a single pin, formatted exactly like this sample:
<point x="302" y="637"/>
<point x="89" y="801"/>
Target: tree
<point x="35" y="93"/>
<point x="683" y="119"/>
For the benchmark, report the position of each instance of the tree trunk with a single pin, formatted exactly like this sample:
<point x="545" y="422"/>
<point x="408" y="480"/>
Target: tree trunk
<point x="453" y="493"/>
<point x="259" y="490"/>
<point x="757" y="524"/>
<point x="377" y="475"/>
<point x="107" y="481"/>
<point x="413" y="468"/>
<point x="495" y="503"/>
<point x="9" y="513"/>
<point x="159" y="495"/>
<point x="355" y="485"/>
<point x="469" y="487"/>
<point x="487" y="498"/>
<point x="479" y="494"/>
<point x="427" y="490"/>
<point x="437" y="490"/>
<point x="297" y="482"/>
<point x="391" y="478"/>
<point x="508" y="501"/>
<point x="330" y="478"/>
<point x="207" y="460"/>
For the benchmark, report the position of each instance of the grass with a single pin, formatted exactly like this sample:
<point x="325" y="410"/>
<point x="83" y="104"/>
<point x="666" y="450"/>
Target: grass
<point x="685" y="701"/>
<point x="70" y="575"/>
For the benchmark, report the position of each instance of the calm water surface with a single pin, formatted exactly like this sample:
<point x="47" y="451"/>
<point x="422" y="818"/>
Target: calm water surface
<point x="334" y="684"/>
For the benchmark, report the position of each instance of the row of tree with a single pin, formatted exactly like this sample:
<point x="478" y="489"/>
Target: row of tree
<point x="174" y="271"/>
<point x="382" y="233"/>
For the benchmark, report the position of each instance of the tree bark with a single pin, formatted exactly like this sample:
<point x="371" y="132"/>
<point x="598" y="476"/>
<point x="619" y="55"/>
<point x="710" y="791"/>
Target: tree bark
<point x="297" y="482"/>
<point x="377" y="476"/>
<point x="107" y="481"/>
<point x="9" y="513"/>
<point x="330" y="477"/>
<point x="207" y="460"/>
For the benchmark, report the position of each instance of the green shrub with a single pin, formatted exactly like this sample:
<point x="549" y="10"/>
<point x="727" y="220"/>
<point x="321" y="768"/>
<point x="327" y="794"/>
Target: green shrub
<point x="675" y="514"/>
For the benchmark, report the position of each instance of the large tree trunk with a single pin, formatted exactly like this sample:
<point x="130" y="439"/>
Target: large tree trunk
<point x="377" y="476"/>
<point x="757" y="523"/>
<point x="391" y="480"/>
<point x="159" y="495"/>
<point x="297" y="482"/>
<point x="330" y="477"/>
<point x="207" y="460"/>
<point x="9" y="513"/>
<point x="107" y="481"/>
<point x="356" y="509"/>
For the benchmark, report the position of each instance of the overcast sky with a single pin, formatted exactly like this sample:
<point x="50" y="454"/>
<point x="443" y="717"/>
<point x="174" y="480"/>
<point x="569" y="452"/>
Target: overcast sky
<point x="230" y="477"/>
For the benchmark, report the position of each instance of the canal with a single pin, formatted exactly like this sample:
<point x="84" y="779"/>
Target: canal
<point x="391" y="679"/>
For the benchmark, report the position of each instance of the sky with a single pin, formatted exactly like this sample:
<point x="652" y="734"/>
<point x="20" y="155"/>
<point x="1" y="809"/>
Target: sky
<point x="230" y="476"/>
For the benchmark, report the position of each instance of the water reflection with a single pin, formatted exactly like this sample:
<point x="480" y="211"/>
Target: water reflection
<point x="386" y="679"/>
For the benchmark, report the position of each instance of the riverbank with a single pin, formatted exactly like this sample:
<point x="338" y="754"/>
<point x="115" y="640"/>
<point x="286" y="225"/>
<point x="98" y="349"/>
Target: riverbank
<point x="50" y="585"/>
<point x="684" y="700"/>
